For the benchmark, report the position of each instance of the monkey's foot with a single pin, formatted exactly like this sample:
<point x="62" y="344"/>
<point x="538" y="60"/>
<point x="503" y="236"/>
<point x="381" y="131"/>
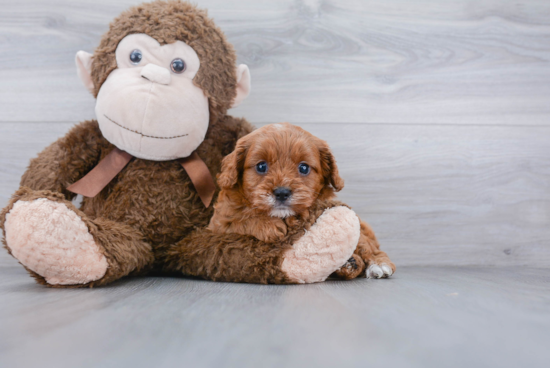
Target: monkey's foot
<point x="53" y="241"/>
<point x="328" y="245"/>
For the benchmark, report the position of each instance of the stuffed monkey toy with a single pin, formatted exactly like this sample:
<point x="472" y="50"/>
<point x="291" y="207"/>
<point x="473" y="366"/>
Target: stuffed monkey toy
<point x="163" y="77"/>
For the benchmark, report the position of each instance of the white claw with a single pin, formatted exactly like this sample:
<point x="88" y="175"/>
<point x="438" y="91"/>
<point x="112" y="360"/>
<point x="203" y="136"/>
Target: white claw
<point x="387" y="269"/>
<point x="374" y="271"/>
<point x="379" y="271"/>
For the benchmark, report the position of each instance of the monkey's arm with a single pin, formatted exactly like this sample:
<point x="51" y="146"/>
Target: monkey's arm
<point x="323" y="249"/>
<point x="227" y="257"/>
<point x="265" y="228"/>
<point x="66" y="160"/>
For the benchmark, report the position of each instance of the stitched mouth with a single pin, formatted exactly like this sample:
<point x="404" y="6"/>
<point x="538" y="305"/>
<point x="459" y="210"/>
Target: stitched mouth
<point x="140" y="133"/>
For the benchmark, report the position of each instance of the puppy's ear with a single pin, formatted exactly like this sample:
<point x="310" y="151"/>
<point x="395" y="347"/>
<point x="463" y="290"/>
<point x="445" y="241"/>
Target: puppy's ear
<point x="232" y="165"/>
<point x="328" y="167"/>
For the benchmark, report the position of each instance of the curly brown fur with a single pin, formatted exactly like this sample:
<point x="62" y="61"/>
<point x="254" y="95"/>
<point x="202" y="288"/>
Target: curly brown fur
<point x="247" y="201"/>
<point x="248" y="205"/>
<point x="227" y="257"/>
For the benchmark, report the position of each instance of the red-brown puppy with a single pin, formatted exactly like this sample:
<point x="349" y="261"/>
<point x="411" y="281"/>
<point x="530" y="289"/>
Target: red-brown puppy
<point x="276" y="183"/>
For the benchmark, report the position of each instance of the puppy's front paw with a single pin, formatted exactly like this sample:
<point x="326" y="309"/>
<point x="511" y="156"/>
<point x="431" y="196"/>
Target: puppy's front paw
<point x="272" y="231"/>
<point x="381" y="271"/>
<point x="271" y="236"/>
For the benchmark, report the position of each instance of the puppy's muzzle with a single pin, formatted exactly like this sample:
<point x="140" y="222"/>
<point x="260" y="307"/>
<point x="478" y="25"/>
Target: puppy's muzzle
<point x="282" y="194"/>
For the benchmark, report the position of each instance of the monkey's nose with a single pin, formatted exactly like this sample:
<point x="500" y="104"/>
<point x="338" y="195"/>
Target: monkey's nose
<point x="281" y="193"/>
<point x="156" y="74"/>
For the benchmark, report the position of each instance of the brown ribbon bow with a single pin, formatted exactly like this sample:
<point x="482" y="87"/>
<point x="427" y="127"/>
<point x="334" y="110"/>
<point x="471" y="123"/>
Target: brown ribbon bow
<point x="101" y="175"/>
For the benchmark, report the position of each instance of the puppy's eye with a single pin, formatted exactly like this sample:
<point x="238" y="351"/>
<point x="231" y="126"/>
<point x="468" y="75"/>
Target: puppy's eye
<point x="261" y="167"/>
<point x="135" y="57"/>
<point x="177" y="66"/>
<point x="304" y="168"/>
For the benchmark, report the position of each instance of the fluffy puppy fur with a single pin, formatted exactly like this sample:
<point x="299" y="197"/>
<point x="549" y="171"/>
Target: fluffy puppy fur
<point x="276" y="183"/>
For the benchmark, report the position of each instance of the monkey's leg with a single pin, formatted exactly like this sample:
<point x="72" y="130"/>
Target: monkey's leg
<point x="378" y="263"/>
<point x="61" y="247"/>
<point x="239" y="258"/>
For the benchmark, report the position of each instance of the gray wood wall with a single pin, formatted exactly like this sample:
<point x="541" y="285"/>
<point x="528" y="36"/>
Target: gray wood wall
<point x="438" y="111"/>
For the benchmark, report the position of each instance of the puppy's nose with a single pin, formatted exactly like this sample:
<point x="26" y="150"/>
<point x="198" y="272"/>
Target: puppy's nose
<point x="281" y="194"/>
<point x="156" y="74"/>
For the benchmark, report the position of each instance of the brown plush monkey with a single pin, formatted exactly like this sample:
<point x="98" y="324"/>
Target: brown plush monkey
<point x="164" y="77"/>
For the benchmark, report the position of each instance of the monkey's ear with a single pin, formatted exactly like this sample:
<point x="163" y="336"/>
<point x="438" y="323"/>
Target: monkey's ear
<point x="84" y="69"/>
<point x="243" y="84"/>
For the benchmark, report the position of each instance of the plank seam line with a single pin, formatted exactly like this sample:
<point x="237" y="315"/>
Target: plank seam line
<point x="327" y="123"/>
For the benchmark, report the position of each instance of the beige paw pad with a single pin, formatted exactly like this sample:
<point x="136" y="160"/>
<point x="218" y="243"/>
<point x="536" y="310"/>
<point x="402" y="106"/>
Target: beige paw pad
<point x="328" y="245"/>
<point x="53" y="241"/>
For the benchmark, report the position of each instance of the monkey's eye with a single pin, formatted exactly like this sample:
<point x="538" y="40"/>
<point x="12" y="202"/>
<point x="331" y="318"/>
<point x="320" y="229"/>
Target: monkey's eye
<point x="261" y="167"/>
<point x="135" y="57"/>
<point x="304" y="168"/>
<point x="177" y="66"/>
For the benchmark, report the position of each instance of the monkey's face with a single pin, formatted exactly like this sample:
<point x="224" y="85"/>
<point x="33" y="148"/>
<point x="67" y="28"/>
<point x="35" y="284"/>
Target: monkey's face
<point x="158" y="74"/>
<point x="149" y="106"/>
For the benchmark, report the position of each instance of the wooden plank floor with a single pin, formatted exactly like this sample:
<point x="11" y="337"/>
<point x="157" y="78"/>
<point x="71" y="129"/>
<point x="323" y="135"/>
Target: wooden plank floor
<point x="353" y="61"/>
<point x="423" y="317"/>
<point x="438" y="113"/>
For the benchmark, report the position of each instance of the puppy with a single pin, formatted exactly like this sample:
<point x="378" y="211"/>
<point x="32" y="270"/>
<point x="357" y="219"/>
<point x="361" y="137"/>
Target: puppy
<point x="274" y="186"/>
